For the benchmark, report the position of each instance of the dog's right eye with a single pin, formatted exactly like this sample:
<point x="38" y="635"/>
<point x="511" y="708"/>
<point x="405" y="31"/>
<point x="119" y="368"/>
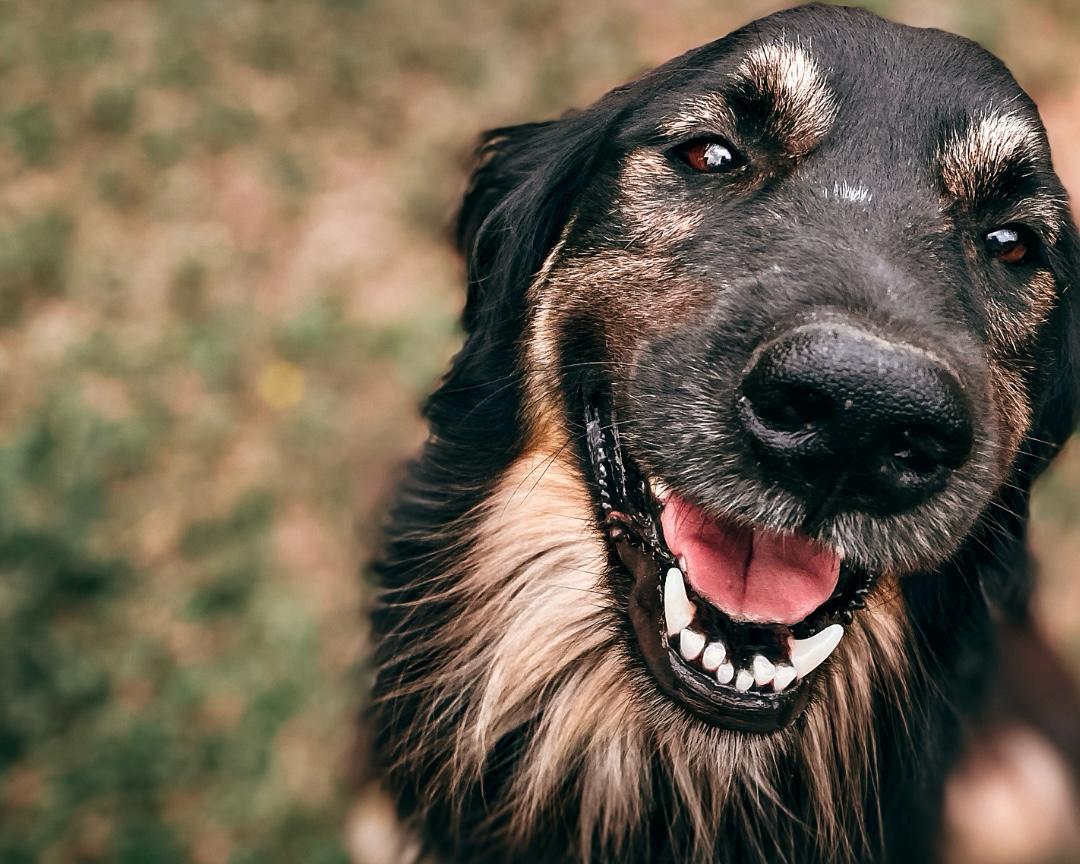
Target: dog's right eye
<point x="709" y="155"/>
<point x="1012" y="244"/>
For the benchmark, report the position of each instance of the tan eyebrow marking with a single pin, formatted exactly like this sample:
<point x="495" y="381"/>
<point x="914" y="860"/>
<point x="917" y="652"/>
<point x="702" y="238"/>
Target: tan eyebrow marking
<point x="803" y="105"/>
<point x="707" y="111"/>
<point x="973" y="162"/>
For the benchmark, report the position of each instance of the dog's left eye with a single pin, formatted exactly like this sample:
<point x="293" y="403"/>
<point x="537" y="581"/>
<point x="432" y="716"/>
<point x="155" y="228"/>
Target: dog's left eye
<point x="710" y="155"/>
<point x="1012" y="244"/>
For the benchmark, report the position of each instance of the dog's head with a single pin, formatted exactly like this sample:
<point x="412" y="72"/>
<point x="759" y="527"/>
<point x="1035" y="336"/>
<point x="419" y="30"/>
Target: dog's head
<point x="753" y="344"/>
<point x="801" y="294"/>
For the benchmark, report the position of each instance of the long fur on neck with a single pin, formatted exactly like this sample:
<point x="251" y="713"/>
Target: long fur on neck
<point x="526" y="699"/>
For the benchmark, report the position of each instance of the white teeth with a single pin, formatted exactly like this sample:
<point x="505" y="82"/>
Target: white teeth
<point x="682" y="563"/>
<point x="784" y="675"/>
<point x="678" y="610"/>
<point x="690" y="644"/>
<point x="714" y="655"/>
<point x="763" y="670"/>
<point x="808" y="654"/>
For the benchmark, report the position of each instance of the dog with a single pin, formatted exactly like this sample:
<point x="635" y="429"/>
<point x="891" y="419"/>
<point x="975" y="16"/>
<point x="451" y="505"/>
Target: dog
<point x="716" y="548"/>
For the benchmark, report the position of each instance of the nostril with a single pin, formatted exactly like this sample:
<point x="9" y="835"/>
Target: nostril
<point x="922" y="451"/>
<point x="787" y="407"/>
<point x="915" y="461"/>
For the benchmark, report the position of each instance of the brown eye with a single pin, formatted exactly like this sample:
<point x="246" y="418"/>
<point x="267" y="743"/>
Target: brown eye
<point x="710" y="155"/>
<point x="1012" y="244"/>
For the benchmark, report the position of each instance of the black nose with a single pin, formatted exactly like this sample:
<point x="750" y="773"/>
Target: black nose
<point x="832" y="408"/>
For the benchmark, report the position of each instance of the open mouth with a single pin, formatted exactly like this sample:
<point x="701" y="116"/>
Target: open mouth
<point x="732" y="620"/>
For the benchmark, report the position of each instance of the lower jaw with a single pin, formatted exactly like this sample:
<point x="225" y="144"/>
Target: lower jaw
<point x="718" y="705"/>
<point x="630" y="516"/>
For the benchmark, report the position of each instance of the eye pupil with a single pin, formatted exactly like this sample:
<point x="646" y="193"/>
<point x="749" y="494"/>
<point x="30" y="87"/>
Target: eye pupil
<point x="1011" y="244"/>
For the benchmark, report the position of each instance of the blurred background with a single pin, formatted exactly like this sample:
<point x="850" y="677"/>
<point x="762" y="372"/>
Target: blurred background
<point x="225" y="284"/>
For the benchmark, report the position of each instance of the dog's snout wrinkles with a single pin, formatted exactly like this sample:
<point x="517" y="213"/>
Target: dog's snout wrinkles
<point x="833" y="407"/>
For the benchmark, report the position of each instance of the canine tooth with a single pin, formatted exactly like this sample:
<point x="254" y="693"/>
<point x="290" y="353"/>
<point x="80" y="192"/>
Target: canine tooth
<point x="678" y="610"/>
<point x="743" y="680"/>
<point x="714" y="655"/>
<point x="764" y="670"/>
<point x="725" y="673"/>
<point x="690" y="644"/>
<point x="784" y="675"/>
<point x="808" y="654"/>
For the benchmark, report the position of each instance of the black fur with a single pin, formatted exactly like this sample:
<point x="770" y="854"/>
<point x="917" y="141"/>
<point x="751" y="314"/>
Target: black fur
<point x="900" y="93"/>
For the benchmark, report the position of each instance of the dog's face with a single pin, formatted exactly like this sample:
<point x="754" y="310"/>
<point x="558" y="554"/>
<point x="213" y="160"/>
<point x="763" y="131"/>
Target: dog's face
<point x="763" y="353"/>
<point x="801" y="295"/>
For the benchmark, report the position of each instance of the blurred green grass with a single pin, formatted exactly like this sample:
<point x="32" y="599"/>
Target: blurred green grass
<point x="224" y="287"/>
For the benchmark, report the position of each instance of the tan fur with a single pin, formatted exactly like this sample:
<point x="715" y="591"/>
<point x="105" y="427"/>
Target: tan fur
<point x="536" y="643"/>
<point x="1013" y="407"/>
<point x="541" y="361"/>
<point x="970" y="161"/>
<point x="804" y="106"/>
<point x="705" y="113"/>
<point x="601" y="284"/>
<point x="1011" y="329"/>
<point x="652" y="220"/>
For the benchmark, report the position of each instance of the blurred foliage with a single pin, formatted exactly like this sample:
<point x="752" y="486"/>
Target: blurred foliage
<point x="112" y="109"/>
<point x="34" y="256"/>
<point x="32" y="133"/>
<point x="225" y="285"/>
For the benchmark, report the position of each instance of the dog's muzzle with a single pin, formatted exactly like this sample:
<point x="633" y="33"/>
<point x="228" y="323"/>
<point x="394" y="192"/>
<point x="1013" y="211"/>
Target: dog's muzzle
<point x="734" y="619"/>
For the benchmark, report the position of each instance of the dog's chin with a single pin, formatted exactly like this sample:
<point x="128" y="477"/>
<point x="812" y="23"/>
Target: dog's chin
<point x="733" y="621"/>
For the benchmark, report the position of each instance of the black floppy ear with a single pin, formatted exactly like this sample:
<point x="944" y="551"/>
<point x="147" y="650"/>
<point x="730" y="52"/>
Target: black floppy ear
<point x="521" y="194"/>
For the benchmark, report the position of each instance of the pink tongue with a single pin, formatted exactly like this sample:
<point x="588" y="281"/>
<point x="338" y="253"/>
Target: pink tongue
<point x="753" y="575"/>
